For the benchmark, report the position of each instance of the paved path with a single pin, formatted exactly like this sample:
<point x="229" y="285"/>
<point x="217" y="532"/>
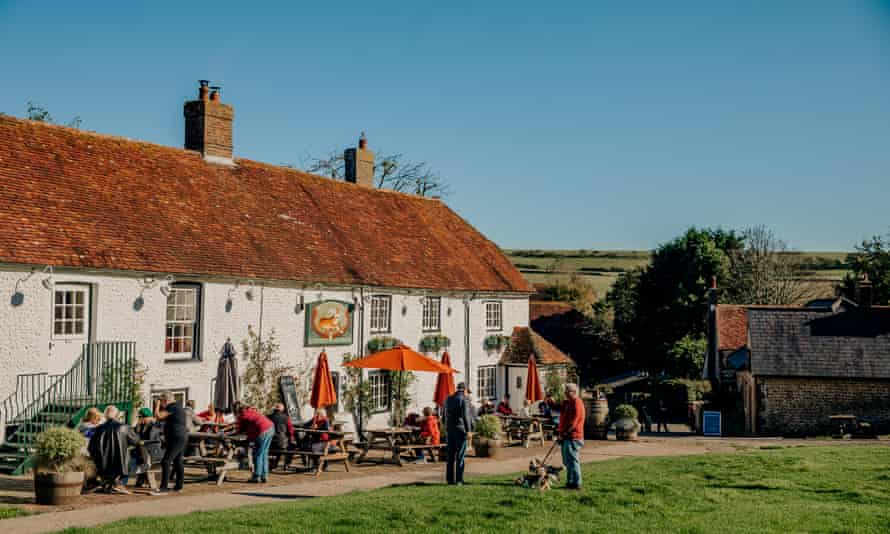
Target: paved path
<point x="433" y="473"/>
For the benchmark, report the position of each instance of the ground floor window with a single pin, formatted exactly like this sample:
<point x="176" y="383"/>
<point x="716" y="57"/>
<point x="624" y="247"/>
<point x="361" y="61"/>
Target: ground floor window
<point x="378" y="382"/>
<point x="486" y="387"/>
<point x="180" y="395"/>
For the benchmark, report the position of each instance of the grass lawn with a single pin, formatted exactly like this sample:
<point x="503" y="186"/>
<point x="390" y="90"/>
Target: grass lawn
<point x="803" y="489"/>
<point x="10" y="511"/>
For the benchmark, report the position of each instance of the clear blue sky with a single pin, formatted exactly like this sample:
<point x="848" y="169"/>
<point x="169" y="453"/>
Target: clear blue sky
<point x="558" y="124"/>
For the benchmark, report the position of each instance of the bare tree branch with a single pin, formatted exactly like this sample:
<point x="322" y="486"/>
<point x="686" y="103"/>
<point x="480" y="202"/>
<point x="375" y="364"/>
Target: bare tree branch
<point x="394" y="171"/>
<point x="764" y="271"/>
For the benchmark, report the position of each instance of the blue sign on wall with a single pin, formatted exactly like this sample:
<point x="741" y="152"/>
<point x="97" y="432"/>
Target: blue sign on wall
<point x="711" y="424"/>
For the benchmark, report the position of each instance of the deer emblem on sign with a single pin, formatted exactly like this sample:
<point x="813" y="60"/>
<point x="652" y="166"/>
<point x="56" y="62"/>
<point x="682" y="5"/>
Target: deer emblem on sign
<point x="330" y="320"/>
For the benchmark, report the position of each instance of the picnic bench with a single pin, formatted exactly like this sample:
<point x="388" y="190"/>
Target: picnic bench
<point x="396" y="441"/>
<point x="216" y="454"/>
<point x="318" y="460"/>
<point x="849" y="426"/>
<point x="522" y="430"/>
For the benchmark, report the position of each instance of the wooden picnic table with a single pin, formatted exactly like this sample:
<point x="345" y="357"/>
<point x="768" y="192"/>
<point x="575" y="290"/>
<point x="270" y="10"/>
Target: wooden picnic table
<point x="216" y="453"/>
<point x="522" y="430"/>
<point x="395" y="440"/>
<point x="337" y="440"/>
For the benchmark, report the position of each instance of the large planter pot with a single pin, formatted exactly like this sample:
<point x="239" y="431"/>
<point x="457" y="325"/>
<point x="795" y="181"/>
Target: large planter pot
<point x="596" y="425"/>
<point x="486" y="448"/>
<point x="627" y="430"/>
<point x="58" y="488"/>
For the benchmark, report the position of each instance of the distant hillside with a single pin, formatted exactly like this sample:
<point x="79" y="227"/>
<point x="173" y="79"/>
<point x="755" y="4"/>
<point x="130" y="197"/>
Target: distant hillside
<point x="602" y="267"/>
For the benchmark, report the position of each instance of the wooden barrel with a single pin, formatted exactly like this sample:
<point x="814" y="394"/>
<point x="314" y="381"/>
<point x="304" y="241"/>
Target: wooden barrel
<point x="57" y="488"/>
<point x="596" y="425"/>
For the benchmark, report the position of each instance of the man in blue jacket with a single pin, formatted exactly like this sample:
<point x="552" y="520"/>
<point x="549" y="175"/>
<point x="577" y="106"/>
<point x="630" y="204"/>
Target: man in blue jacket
<point x="458" y="422"/>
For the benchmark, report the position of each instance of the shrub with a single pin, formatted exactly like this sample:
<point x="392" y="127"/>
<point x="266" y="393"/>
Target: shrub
<point x="624" y="411"/>
<point x="488" y="426"/>
<point x="58" y="449"/>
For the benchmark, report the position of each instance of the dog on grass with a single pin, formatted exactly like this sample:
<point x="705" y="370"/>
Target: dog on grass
<point x="540" y="475"/>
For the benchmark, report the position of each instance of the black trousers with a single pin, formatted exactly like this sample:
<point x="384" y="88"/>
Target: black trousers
<point x="173" y="454"/>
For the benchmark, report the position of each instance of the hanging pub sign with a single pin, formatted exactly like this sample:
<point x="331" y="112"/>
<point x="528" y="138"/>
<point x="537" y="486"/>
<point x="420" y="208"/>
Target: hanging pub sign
<point x="711" y="424"/>
<point x="328" y="322"/>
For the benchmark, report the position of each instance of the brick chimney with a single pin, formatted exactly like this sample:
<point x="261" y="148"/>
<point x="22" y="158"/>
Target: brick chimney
<point x="359" y="163"/>
<point x="208" y="125"/>
<point x="864" y="292"/>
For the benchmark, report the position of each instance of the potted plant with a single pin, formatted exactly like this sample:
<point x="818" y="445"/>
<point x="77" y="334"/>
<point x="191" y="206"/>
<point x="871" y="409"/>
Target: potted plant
<point x="487" y="436"/>
<point x="626" y="424"/>
<point x="58" y="466"/>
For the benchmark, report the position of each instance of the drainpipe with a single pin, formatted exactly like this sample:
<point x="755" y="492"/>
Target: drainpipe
<point x="260" y="326"/>
<point x="360" y="353"/>
<point x="467" y="301"/>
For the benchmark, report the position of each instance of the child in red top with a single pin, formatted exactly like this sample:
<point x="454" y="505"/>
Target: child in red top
<point x="429" y="432"/>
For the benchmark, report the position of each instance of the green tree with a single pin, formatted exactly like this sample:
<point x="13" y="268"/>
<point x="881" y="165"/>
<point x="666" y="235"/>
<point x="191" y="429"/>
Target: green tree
<point x="263" y="370"/>
<point x="687" y="355"/>
<point x="872" y="258"/>
<point x="667" y="300"/>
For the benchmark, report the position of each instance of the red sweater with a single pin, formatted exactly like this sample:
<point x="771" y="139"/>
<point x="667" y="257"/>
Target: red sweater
<point x="504" y="409"/>
<point x="429" y="428"/>
<point x="253" y="423"/>
<point x="571" y="419"/>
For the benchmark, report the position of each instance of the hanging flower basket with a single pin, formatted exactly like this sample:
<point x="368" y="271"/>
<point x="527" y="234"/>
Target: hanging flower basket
<point x="434" y="343"/>
<point x="497" y="342"/>
<point x="376" y="344"/>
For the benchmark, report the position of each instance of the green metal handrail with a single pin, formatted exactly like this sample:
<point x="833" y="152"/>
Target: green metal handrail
<point x="103" y="374"/>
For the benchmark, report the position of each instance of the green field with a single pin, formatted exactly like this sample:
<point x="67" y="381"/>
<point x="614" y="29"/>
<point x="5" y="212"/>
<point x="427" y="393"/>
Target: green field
<point x="802" y="489"/>
<point x="600" y="268"/>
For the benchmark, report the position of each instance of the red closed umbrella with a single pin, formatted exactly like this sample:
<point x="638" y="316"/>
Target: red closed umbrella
<point x="444" y="383"/>
<point x="533" y="392"/>
<point x="323" y="392"/>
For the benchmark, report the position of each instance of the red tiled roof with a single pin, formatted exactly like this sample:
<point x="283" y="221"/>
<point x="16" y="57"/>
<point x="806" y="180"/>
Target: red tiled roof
<point x="524" y="342"/>
<point x="80" y="199"/>
<point x="538" y="309"/>
<point x="732" y="327"/>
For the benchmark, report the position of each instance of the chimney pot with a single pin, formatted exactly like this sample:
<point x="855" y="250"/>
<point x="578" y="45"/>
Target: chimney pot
<point x="713" y="282"/>
<point x="202" y="89"/>
<point x="363" y="141"/>
<point x="865" y="294"/>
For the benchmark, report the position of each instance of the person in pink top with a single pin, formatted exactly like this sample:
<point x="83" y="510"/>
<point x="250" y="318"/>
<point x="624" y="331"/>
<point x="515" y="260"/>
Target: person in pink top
<point x="260" y="431"/>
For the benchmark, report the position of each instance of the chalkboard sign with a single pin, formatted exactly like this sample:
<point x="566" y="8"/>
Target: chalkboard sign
<point x="711" y="424"/>
<point x="290" y="399"/>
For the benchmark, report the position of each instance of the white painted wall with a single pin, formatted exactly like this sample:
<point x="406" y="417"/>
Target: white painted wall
<point x="26" y="328"/>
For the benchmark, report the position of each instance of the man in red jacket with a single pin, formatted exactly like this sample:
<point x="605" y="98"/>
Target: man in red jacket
<point x="571" y="435"/>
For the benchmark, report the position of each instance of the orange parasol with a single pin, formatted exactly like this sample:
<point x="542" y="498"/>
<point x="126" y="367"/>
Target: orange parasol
<point x="533" y="391"/>
<point x="444" y="383"/>
<point x="323" y="392"/>
<point x="400" y="358"/>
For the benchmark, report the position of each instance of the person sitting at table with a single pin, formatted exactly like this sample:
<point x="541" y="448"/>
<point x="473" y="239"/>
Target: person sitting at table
<point x="504" y="406"/>
<point x="210" y="415"/>
<point x="284" y="435"/>
<point x="260" y="431"/>
<point x="429" y="431"/>
<point x="486" y="408"/>
<point x="320" y="422"/>
<point x="109" y="450"/>
<point x="150" y="433"/>
<point x="526" y="410"/>
<point x="412" y="419"/>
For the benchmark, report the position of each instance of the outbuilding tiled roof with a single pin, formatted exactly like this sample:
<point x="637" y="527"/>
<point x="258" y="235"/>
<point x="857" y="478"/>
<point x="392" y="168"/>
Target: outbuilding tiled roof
<point x="524" y="342"/>
<point x="808" y="342"/>
<point x="538" y="309"/>
<point x="79" y="199"/>
<point x="732" y="327"/>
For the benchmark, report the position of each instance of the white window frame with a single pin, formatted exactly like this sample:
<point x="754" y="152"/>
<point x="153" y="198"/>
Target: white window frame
<point x="380" y="391"/>
<point x="180" y="395"/>
<point x="66" y="313"/>
<point x="432" y="314"/>
<point x="380" y="314"/>
<point x="494" y="315"/>
<point x="184" y="314"/>
<point x="486" y="382"/>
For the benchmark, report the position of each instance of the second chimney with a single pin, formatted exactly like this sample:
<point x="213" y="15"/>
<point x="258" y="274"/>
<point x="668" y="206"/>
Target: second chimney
<point x="359" y="163"/>
<point x="208" y="125"/>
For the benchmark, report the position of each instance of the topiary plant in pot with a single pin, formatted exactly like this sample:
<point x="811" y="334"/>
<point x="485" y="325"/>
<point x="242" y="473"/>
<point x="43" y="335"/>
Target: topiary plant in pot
<point x="626" y="424"/>
<point x="58" y="466"/>
<point x="487" y="436"/>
